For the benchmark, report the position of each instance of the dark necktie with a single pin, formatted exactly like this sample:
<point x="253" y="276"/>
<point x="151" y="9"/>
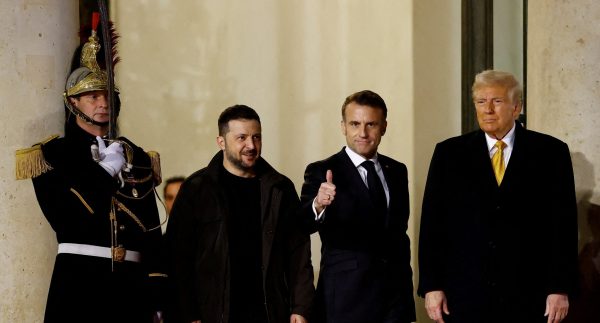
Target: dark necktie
<point x="375" y="188"/>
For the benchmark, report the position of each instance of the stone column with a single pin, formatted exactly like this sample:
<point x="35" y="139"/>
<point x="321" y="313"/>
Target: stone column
<point x="564" y="83"/>
<point x="36" y="44"/>
<point x="564" y="97"/>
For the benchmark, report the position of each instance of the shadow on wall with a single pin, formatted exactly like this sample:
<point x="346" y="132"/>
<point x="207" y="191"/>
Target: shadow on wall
<point x="584" y="308"/>
<point x="584" y="186"/>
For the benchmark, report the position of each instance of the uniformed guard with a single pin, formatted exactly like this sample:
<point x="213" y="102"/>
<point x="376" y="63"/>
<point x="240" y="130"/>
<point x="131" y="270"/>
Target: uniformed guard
<point x="98" y="195"/>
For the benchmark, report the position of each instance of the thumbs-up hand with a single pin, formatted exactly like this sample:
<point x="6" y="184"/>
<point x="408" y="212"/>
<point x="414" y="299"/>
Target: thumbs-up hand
<point x="326" y="193"/>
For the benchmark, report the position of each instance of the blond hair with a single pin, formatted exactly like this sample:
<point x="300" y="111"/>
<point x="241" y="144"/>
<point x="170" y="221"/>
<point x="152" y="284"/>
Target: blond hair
<point x="499" y="78"/>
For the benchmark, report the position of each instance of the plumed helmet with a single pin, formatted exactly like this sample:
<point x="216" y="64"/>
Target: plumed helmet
<point x="89" y="77"/>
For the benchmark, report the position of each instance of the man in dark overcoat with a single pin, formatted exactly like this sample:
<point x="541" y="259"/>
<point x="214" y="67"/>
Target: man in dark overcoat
<point x="498" y="239"/>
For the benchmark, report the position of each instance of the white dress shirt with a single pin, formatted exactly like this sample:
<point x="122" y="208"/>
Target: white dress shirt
<point x="509" y="140"/>
<point x="357" y="160"/>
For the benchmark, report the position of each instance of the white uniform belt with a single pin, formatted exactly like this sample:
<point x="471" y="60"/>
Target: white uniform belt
<point x="96" y="251"/>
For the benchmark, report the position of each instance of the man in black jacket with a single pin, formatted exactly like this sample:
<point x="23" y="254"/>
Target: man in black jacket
<point x="236" y="252"/>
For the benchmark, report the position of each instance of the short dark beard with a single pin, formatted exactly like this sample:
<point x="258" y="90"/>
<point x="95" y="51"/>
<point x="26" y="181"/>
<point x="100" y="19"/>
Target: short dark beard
<point x="237" y="163"/>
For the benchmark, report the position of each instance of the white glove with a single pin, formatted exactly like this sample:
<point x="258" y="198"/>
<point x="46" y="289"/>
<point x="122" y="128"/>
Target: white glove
<point x="111" y="157"/>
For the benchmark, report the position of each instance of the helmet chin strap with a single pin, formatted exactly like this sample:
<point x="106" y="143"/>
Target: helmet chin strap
<point x="83" y="116"/>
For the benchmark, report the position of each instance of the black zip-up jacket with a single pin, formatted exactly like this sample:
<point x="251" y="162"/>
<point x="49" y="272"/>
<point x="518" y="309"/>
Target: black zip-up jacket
<point x="199" y="252"/>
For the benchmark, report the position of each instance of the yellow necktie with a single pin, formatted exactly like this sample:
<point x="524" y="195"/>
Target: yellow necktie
<point x="498" y="161"/>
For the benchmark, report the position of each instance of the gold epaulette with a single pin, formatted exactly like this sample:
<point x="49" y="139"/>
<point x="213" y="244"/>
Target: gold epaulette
<point x="30" y="162"/>
<point x="155" y="162"/>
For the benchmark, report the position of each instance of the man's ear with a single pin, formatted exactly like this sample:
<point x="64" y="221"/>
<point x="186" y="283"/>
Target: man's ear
<point x="73" y="101"/>
<point x="343" y="127"/>
<point x="517" y="112"/>
<point x="383" y="127"/>
<point x="221" y="142"/>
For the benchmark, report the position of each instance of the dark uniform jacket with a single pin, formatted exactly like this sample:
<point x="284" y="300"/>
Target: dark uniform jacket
<point x="198" y="244"/>
<point x="498" y="251"/>
<point x="76" y="197"/>
<point x="365" y="273"/>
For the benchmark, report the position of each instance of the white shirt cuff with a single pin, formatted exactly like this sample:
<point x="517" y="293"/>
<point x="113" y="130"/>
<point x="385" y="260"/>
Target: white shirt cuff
<point x="319" y="216"/>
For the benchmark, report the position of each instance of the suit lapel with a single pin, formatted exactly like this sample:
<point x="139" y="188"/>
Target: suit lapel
<point x="388" y="174"/>
<point x="481" y="162"/>
<point x="351" y="176"/>
<point x="517" y="156"/>
<point x="353" y="185"/>
<point x="393" y="182"/>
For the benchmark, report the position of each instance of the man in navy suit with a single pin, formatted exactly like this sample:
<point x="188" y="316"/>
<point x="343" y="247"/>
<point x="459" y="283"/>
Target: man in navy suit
<point x="498" y="239"/>
<point x="358" y="201"/>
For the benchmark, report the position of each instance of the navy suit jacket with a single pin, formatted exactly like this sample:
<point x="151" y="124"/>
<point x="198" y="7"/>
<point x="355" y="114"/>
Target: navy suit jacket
<point x="498" y="251"/>
<point x="365" y="271"/>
